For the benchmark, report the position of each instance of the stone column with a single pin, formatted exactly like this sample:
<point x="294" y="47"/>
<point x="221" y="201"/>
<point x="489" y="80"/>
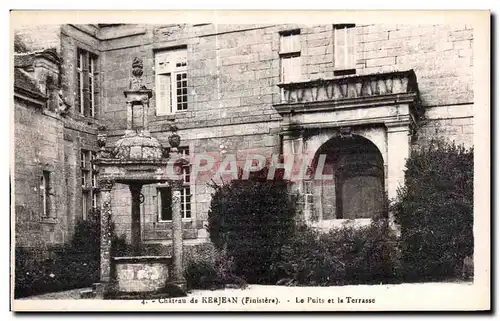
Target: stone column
<point x="398" y="150"/>
<point x="130" y="118"/>
<point x="178" y="272"/>
<point x="145" y="116"/>
<point x="105" y="186"/>
<point x="135" y="191"/>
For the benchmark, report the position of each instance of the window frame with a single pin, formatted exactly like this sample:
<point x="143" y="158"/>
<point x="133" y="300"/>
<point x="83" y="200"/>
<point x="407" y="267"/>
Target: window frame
<point x="159" y="190"/>
<point x="308" y="196"/>
<point x="87" y="75"/>
<point x="89" y="187"/>
<point x="172" y="62"/>
<point x="349" y="64"/>
<point x="186" y="193"/>
<point x="296" y="146"/>
<point x="45" y="189"/>
<point x="290" y="53"/>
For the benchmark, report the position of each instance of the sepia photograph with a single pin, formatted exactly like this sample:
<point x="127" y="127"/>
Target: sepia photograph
<point x="250" y="161"/>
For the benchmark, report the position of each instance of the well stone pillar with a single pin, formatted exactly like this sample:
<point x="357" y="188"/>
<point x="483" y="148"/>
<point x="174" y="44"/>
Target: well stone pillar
<point x="178" y="271"/>
<point x="135" y="191"/>
<point x="398" y="150"/>
<point x="130" y="118"/>
<point x="105" y="186"/>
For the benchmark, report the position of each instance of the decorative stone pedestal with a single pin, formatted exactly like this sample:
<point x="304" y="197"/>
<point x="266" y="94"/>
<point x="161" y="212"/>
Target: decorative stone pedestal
<point x="141" y="273"/>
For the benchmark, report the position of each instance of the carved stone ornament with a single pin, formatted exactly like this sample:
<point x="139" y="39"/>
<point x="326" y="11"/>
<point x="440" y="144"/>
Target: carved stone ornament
<point x="101" y="140"/>
<point x="174" y="140"/>
<point x="105" y="184"/>
<point x="137" y="72"/>
<point x="137" y="66"/>
<point x="62" y="105"/>
<point x="345" y="132"/>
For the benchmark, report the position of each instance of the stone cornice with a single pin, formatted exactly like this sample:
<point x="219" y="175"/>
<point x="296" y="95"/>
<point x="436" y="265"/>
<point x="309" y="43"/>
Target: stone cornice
<point x="30" y="96"/>
<point x="386" y="121"/>
<point x="346" y="103"/>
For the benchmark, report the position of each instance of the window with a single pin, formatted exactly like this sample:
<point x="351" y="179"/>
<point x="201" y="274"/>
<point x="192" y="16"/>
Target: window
<point x="296" y="146"/>
<point x="171" y="81"/>
<point x="290" y="59"/>
<point x="86" y="94"/>
<point x="164" y="203"/>
<point x="308" y="196"/>
<point x="45" y="191"/>
<point x="90" y="192"/>
<point x="344" y="47"/>
<point x="186" y="189"/>
<point x="165" y="194"/>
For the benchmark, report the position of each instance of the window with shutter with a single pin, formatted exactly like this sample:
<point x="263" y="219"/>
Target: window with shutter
<point x="344" y="42"/>
<point x="171" y="81"/>
<point x="290" y="59"/>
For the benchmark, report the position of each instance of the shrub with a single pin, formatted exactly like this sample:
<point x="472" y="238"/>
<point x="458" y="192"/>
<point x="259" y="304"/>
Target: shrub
<point x="251" y="219"/>
<point x="212" y="274"/>
<point x="200" y="275"/>
<point x="74" y="265"/>
<point x="435" y="211"/>
<point x="346" y="255"/>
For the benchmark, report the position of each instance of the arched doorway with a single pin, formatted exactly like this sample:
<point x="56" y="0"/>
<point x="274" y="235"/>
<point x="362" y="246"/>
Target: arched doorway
<point x="357" y="190"/>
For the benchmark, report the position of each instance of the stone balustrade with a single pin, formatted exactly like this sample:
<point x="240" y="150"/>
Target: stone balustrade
<point x="345" y="88"/>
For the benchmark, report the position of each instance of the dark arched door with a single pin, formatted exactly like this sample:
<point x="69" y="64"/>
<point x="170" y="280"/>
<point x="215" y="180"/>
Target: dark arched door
<point x="358" y="188"/>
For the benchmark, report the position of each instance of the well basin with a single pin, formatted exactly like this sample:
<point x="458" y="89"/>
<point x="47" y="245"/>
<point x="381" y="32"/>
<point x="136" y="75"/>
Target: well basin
<point x="135" y="274"/>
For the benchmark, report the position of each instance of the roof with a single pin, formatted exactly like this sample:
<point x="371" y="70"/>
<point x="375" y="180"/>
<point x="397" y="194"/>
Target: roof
<point x="26" y="59"/>
<point x="23" y="83"/>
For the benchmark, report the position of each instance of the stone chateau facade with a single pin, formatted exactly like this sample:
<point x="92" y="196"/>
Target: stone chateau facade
<point x="363" y="95"/>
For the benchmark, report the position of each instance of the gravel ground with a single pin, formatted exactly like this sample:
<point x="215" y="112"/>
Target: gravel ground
<point x="64" y="295"/>
<point x="274" y="290"/>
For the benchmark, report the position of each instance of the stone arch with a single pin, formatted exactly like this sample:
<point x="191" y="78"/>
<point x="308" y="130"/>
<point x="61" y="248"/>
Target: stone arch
<point x="355" y="188"/>
<point x="376" y="135"/>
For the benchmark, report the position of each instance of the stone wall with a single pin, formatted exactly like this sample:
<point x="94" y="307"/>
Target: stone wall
<point x="234" y="69"/>
<point x="454" y="123"/>
<point x="45" y="140"/>
<point x="38" y="146"/>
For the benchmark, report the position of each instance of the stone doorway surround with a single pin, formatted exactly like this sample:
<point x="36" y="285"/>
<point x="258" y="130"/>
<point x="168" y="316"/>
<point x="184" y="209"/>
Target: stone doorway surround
<point x="383" y="108"/>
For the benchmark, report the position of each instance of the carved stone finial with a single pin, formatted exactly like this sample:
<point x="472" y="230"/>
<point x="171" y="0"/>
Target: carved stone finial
<point x="174" y="140"/>
<point x="137" y="72"/>
<point x="137" y="66"/>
